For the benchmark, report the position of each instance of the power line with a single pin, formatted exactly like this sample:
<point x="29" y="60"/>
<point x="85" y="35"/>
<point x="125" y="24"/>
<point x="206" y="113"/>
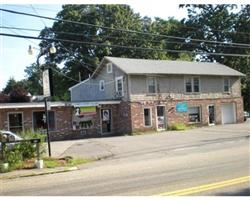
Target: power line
<point x="188" y="27"/>
<point x="115" y="37"/>
<point x="122" y="46"/>
<point x="37" y="14"/>
<point x="122" y="30"/>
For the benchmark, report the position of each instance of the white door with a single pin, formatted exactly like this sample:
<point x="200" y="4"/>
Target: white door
<point x="228" y="113"/>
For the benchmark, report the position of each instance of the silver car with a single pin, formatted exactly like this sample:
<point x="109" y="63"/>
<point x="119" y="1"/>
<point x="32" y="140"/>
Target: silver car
<point x="8" y="136"/>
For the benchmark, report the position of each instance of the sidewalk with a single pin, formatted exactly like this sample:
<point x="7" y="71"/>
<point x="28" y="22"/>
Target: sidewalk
<point x="123" y="146"/>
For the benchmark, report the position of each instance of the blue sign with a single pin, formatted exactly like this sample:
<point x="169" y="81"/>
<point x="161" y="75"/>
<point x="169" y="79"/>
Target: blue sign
<point x="181" y="107"/>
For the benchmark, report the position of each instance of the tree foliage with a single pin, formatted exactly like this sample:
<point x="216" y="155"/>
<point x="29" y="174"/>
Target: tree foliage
<point x="220" y="23"/>
<point x="14" y="92"/>
<point x="116" y="30"/>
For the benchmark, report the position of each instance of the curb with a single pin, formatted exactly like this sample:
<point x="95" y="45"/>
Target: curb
<point x="45" y="171"/>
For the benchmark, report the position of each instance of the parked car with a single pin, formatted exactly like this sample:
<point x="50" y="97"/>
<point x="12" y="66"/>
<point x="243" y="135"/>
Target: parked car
<point x="246" y="115"/>
<point x="8" y="136"/>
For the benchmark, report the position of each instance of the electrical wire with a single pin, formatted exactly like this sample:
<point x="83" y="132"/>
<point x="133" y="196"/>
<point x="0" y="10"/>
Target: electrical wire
<point x="188" y="27"/>
<point x="122" y="46"/>
<point x="117" y="29"/>
<point x="117" y="38"/>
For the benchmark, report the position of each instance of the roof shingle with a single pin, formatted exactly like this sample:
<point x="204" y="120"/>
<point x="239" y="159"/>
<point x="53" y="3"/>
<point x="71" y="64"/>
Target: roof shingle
<point x="145" y="66"/>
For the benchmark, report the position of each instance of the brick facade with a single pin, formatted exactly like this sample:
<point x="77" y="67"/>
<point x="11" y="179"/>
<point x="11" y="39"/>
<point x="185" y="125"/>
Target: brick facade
<point x="135" y="120"/>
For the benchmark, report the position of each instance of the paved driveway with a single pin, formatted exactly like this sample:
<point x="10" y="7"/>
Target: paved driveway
<point x="127" y="146"/>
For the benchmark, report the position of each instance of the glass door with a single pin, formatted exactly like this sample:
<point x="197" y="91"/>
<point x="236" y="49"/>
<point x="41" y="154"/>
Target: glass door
<point x="211" y="115"/>
<point x="160" y="118"/>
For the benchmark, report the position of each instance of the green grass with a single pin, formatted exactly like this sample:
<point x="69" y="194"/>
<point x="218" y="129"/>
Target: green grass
<point x="178" y="127"/>
<point x="64" y="162"/>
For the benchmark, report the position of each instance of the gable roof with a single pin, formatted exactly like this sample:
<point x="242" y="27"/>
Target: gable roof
<point x="145" y="66"/>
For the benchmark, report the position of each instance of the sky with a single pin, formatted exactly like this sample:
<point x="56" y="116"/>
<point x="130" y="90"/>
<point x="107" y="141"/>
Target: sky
<point x="14" y="57"/>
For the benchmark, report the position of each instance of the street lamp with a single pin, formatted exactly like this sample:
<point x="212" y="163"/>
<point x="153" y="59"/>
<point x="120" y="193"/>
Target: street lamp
<point x="51" y="50"/>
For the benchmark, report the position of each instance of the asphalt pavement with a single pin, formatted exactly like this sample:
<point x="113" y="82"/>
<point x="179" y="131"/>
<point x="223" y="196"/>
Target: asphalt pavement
<point x="122" y="147"/>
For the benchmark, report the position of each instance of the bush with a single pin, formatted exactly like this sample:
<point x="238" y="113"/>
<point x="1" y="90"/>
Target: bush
<point x="178" y="127"/>
<point x="15" y="155"/>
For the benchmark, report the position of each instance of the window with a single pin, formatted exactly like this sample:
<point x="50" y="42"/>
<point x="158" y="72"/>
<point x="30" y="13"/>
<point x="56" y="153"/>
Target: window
<point x="151" y="85"/>
<point x="109" y="68"/>
<point x="15" y="122"/>
<point x="227" y="85"/>
<point x="147" y="117"/>
<point x="194" y="114"/>
<point x="196" y="84"/>
<point x="188" y="85"/>
<point x="192" y="84"/>
<point x="101" y="85"/>
<point x="119" y="85"/>
<point x="39" y="120"/>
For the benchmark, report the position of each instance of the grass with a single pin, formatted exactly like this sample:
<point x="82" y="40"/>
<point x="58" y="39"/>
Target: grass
<point x="64" y="162"/>
<point x="178" y="127"/>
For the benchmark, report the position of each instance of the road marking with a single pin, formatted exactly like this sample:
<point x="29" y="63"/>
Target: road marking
<point x="207" y="187"/>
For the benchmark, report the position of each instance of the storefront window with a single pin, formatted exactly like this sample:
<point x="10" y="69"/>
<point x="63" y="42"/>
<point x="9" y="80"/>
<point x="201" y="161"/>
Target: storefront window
<point x="39" y="120"/>
<point x="194" y="114"/>
<point x="83" y="117"/>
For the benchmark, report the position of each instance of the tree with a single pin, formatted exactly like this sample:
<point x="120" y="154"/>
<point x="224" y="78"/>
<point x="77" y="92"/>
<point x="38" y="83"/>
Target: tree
<point x="218" y="23"/>
<point x="102" y="30"/>
<point x="14" y="92"/>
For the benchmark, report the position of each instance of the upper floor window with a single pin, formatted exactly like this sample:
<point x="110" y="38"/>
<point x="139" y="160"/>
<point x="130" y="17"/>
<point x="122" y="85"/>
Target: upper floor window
<point x="151" y="81"/>
<point x="226" y="85"/>
<point x="109" y="68"/>
<point x="119" y="85"/>
<point x="192" y="84"/>
<point x="101" y="85"/>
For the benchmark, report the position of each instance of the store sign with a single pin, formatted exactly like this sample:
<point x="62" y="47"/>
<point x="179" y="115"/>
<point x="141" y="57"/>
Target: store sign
<point x="46" y="83"/>
<point x="181" y="107"/>
<point x="86" y="111"/>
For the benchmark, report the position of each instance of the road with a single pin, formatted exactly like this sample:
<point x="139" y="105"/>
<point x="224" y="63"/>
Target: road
<point x="209" y="167"/>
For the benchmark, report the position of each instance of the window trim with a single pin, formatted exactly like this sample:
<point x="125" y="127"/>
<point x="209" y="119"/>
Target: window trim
<point x="49" y="111"/>
<point x="102" y="84"/>
<point x="155" y="85"/>
<point x="119" y="78"/>
<point x="150" y="115"/>
<point x="8" y="119"/>
<point x="229" y="85"/>
<point x="109" y="68"/>
<point x="200" y="120"/>
<point x="192" y="84"/>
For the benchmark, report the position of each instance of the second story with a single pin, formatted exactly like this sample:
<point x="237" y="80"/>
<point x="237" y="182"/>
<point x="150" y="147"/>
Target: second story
<point x="142" y="79"/>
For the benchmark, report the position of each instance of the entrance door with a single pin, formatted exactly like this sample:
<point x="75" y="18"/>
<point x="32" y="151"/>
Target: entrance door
<point x="160" y="118"/>
<point x="211" y="115"/>
<point x="106" y="120"/>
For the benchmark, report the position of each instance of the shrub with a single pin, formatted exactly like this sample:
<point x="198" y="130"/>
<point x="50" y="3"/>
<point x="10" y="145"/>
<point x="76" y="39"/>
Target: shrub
<point x="16" y="154"/>
<point x="178" y="127"/>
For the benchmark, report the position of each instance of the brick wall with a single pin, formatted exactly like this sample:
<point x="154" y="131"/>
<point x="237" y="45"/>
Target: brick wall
<point x="137" y="115"/>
